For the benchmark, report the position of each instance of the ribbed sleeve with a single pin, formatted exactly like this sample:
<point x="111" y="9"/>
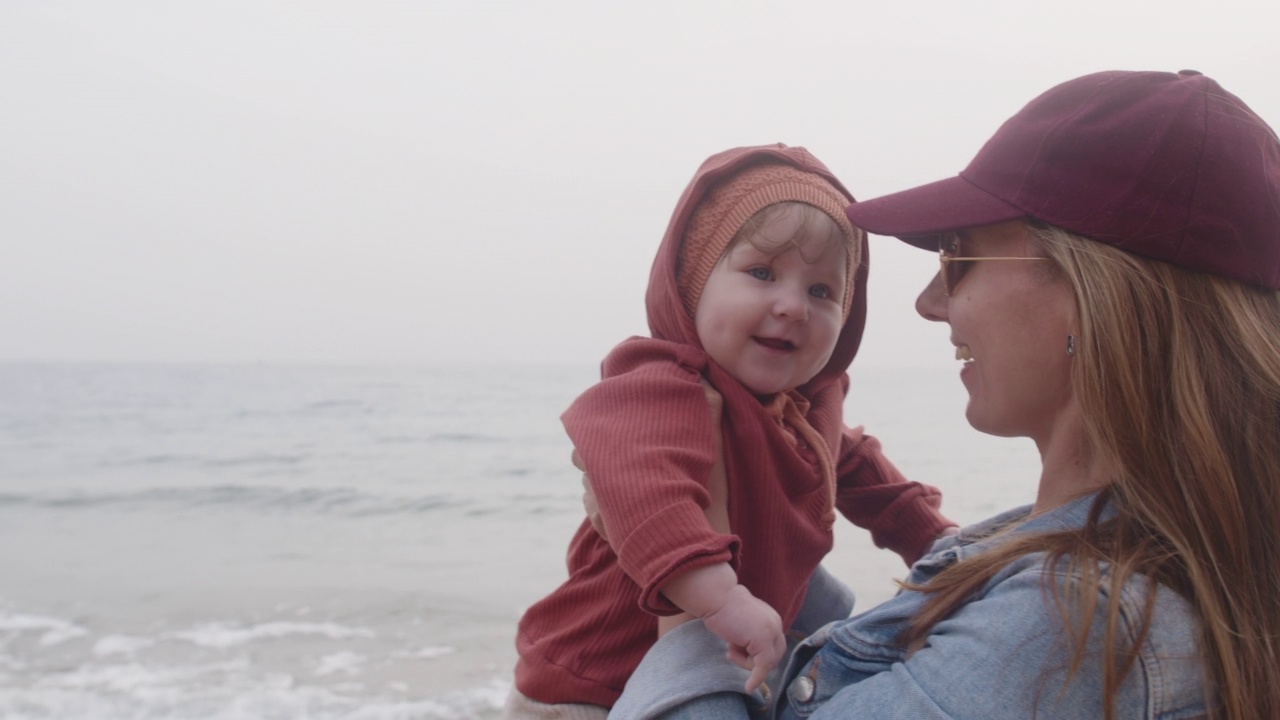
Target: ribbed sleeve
<point x="645" y="436"/>
<point x="902" y="516"/>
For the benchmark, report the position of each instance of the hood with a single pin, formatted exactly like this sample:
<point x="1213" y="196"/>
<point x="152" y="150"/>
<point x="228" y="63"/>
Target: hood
<point x="667" y="317"/>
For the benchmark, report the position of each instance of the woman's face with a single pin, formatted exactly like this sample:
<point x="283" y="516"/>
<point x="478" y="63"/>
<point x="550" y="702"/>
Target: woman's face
<point x="1009" y="322"/>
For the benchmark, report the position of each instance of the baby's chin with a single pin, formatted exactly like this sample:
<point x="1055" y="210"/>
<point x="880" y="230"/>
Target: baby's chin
<point x="767" y="390"/>
<point x="765" y="380"/>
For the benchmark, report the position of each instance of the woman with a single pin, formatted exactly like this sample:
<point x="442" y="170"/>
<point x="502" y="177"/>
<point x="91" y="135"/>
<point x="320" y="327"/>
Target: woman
<point x="1110" y="267"/>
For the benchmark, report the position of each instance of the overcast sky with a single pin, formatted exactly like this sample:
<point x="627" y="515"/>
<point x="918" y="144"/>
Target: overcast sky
<point x="474" y="181"/>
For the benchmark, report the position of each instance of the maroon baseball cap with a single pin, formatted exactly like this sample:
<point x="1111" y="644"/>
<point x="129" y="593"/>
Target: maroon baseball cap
<point x="1164" y="165"/>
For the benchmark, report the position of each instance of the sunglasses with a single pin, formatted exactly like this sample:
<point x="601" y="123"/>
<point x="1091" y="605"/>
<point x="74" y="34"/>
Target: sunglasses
<point x="954" y="267"/>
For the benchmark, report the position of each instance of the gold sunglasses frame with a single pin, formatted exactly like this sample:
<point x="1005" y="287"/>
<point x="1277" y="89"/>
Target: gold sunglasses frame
<point x="944" y="258"/>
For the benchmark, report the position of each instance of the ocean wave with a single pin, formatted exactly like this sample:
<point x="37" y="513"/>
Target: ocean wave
<point x="224" y="635"/>
<point x="344" y="502"/>
<point x="53" y="630"/>
<point x="172" y="459"/>
<point x="431" y="652"/>
<point x="121" y="645"/>
<point x="464" y="438"/>
<point x="228" y="691"/>
<point x="230" y="670"/>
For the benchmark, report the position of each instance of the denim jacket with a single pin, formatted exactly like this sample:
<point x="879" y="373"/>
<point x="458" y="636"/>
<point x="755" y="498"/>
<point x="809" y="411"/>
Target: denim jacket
<point x="1004" y="654"/>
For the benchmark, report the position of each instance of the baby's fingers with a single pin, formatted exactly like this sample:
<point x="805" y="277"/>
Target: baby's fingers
<point x="762" y="662"/>
<point x="738" y="656"/>
<point x="758" y="675"/>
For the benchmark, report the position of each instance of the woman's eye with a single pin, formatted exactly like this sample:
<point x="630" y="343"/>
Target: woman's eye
<point x="759" y="273"/>
<point x="820" y="291"/>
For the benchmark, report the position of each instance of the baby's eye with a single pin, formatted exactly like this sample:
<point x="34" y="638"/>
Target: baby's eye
<point x="820" y="291"/>
<point x="760" y="273"/>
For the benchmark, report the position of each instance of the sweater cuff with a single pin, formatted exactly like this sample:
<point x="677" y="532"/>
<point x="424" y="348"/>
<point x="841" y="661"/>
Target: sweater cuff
<point x="920" y="525"/>
<point x="674" y="541"/>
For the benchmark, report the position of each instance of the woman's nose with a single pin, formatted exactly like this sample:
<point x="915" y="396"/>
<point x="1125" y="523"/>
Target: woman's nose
<point x="932" y="301"/>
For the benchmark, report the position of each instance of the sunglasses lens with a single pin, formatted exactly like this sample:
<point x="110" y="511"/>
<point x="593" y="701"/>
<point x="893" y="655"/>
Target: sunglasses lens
<point x="952" y="270"/>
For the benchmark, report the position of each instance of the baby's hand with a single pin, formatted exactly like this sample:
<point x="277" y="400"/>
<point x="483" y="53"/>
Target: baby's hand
<point x="753" y="631"/>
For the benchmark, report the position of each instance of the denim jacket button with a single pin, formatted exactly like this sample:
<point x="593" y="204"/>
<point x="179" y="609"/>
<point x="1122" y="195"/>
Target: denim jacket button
<point x="802" y="689"/>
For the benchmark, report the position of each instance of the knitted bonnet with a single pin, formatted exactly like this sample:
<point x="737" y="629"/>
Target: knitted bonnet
<point x="728" y="206"/>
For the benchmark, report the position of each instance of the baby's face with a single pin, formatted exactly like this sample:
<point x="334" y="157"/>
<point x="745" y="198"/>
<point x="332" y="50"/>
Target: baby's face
<point x="772" y="319"/>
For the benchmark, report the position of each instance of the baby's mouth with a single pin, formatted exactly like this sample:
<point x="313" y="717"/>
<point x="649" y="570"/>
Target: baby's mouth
<point x="775" y="343"/>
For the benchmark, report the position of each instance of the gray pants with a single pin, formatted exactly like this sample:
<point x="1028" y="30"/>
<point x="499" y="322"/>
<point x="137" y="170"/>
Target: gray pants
<point x="519" y="707"/>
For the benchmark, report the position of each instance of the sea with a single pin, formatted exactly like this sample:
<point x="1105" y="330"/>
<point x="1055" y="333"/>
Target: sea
<point x="297" y="541"/>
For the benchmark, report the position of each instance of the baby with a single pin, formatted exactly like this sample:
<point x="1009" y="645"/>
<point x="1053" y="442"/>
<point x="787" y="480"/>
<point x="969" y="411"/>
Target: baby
<point x="757" y="293"/>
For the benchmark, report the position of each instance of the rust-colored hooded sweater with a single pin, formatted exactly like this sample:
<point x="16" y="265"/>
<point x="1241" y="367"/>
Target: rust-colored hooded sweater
<point x="645" y="435"/>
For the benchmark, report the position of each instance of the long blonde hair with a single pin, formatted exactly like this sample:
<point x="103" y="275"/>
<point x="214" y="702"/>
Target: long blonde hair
<point x="1178" y="375"/>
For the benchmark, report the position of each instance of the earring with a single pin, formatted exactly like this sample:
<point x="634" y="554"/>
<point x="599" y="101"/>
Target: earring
<point x="1071" y="344"/>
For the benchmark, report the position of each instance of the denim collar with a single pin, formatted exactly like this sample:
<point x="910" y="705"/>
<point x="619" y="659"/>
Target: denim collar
<point x="994" y="531"/>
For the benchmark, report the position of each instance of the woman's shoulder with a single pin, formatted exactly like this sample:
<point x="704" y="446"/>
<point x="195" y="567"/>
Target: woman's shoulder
<point x="1023" y="616"/>
<point x="1172" y="623"/>
<point x="1159" y="624"/>
<point x="1010" y="646"/>
<point x="1155" y="625"/>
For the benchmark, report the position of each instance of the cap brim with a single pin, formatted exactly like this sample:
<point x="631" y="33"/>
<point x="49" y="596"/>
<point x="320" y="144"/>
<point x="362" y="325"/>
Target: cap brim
<point x="915" y="215"/>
